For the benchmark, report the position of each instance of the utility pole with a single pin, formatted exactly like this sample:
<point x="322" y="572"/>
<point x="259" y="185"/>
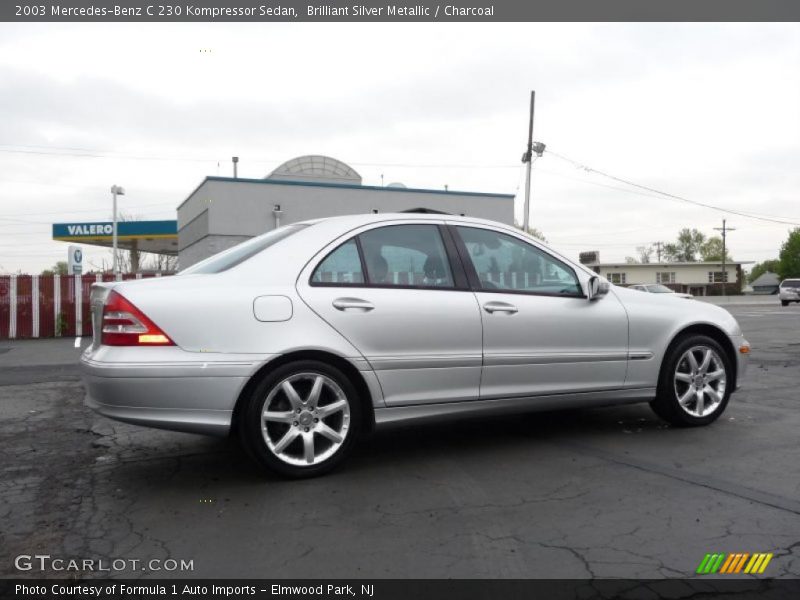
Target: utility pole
<point x="527" y="158"/>
<point x="724" y="229"/>
<point x="658" y="251"/>
<point x="115" y="191"/>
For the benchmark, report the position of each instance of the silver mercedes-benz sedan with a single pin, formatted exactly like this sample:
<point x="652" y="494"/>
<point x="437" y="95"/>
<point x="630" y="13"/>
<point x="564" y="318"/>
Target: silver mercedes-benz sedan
<point x="303" y="339"/>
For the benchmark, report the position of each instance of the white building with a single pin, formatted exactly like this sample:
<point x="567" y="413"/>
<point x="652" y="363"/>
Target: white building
<point x="224" y="211"/>
<point x="696" y="278"/>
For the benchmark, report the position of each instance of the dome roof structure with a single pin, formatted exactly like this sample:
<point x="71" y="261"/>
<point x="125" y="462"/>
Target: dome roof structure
<point x="316" y="168"/>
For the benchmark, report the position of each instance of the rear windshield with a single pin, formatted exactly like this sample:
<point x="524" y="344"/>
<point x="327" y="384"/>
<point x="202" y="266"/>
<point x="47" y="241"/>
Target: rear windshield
<point x="238" y="254"/>
<point x="792" y="283"/>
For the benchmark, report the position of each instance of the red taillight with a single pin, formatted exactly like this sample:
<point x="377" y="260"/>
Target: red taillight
<point x="125" y="325"/>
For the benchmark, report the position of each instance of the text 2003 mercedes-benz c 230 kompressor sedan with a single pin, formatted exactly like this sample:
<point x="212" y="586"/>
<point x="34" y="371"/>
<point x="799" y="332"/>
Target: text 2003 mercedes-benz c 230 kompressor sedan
<point x="303" y="339"/>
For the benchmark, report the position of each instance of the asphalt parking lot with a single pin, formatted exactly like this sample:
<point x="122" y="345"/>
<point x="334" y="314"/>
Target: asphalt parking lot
<point x="593" y="493"/>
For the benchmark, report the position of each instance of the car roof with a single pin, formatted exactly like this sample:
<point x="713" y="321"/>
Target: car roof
<point x="357" y="220"/>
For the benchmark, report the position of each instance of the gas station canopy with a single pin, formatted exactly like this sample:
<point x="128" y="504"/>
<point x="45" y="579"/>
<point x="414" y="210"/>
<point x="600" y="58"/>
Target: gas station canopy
<point x="158" y="237"/>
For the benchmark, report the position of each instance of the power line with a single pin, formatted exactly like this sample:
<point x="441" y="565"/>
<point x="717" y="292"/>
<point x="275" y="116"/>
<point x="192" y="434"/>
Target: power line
<point x="672" y="196"/>
<point x="597" y="183"/>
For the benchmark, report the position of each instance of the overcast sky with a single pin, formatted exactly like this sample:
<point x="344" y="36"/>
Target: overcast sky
<point x="709" y="112"/>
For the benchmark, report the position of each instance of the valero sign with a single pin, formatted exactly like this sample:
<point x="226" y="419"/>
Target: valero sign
<point x="91" y="229"/>
<point x="160" y="237"/>
<point x="82" y="230"/>
<point x="104" y="230"/>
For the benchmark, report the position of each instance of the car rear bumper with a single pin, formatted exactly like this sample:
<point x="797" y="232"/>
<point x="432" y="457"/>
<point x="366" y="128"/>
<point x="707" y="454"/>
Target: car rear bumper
<point x="167" y="389"/>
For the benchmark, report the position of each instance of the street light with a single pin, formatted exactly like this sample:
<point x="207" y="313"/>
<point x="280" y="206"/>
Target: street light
<point x="116" y="190"/>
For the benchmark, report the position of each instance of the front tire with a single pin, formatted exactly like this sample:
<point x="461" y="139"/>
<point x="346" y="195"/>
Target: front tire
<point x="695" y="383"/>
<point x="301" y="420"/>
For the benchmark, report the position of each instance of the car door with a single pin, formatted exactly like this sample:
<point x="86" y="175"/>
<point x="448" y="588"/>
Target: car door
<point x="399" y="294"/>
<point x="541" y="335"/>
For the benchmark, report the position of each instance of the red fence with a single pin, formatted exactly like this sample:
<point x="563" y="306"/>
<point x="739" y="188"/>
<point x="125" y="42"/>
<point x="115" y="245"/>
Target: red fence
<point x="33" y="306"/>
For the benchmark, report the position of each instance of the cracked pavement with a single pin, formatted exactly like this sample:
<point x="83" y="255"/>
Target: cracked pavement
<point x="589" y="493"/>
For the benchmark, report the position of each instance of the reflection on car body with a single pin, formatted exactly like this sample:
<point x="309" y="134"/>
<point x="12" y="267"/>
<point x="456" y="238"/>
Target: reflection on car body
<point x="657" y="288"/>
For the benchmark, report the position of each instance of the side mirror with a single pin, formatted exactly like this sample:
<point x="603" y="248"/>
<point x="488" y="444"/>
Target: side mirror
<point x="596" y="288"/>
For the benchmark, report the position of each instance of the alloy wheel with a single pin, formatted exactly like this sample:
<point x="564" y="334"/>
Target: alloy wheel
<point x="700" y="381"/>
<point x="305" y="419"/>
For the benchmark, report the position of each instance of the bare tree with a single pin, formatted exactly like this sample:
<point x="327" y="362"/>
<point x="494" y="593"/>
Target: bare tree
<point x="162" y="263"/>
<point x="643" y="255"/>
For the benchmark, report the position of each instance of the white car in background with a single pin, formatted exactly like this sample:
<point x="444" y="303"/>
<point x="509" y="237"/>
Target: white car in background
<point x="657" y="288"/>
<point x="789" y="291"/>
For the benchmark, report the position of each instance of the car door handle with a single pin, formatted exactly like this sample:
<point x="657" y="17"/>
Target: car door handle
<point x="355" y="304"/>
<point x="493" y="307"/>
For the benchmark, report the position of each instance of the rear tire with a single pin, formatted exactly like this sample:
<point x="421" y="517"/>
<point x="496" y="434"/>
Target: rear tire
<point x="695" y="383"/>
<point x="784" y="303"/>
<point x="301" y="420"/>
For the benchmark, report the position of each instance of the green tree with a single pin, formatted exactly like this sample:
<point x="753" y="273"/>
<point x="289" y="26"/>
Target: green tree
<point x="537" y="233"/>
<point x="789" y="256"/>
<point x="759" y="269"/>
<point x="60" y="268"/>
<point x="532" y="231"/>
<point x="686" y="247"/>
<point x="711" y="250"/>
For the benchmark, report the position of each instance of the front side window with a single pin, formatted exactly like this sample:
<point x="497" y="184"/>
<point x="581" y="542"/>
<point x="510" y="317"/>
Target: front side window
<point x="342" y="266"/>
<point x="505" y="263"/>
<point x="407" y="256"/>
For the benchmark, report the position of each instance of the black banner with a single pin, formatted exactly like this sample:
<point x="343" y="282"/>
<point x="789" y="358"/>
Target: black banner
<point x="412" y="10"/>
<point x="416" y="589"/>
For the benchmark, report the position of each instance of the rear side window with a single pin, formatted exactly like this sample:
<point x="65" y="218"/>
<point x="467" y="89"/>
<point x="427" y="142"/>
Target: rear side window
<point x="406" y="256"/>
<point x="238" y="254"/>
<point x="409" y="256"/>
<point x="342" y="266"/>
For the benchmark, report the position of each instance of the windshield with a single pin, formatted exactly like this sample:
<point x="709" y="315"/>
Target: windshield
<point x="231" y="257"/>
<point x="659" y="289"/>
<point x="792" y="283"/>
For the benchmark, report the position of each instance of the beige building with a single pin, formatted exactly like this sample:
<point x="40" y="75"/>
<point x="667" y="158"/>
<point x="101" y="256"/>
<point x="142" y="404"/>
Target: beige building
<point x="696" y="278"/>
